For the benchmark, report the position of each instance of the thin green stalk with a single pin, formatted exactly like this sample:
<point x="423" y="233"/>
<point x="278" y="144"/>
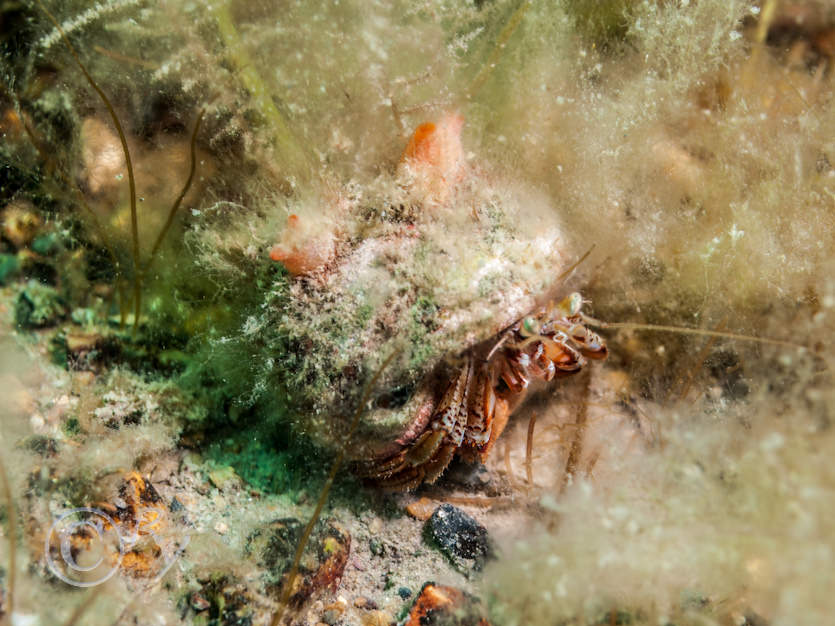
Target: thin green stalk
<point x="295" y="159"/>
<point x="498" y="49"/>
<point x="287" y="588"/>
<point x="11" y="515"/>
<point x="175" y="207"/>
<point x="84" y="606"/>
<point x="134" y="224"/>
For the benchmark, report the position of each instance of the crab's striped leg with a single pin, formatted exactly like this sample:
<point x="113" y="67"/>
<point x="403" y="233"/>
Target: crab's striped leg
<point x="451" y="416"/>
<point x="482" y="404"/>
<point x="427" y="457"/>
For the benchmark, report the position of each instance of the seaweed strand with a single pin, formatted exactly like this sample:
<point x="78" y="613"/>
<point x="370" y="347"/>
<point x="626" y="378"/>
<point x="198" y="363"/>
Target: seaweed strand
<point x="11" y="515"/>
<point x="292" y="153"/>
<point x="287" y="587"/>
<point x="82" y="608"/>
<point x="501" y="43"/>
<point x="575" y="452"/>
<point x="175" y="207"/>
<point x="529" y="450"/>
<point x="134" y="223"/>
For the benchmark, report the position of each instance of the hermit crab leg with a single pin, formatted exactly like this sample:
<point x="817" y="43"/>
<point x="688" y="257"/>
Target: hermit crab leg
<point x="452" y="417"/>
<point x="512" y="372"/>
<point x="566" y="359"/>
<point x="429" y="455"/>
<point x="481" y="406"/>
<point x="551" y="343"/>
<point x="411" y="476"/>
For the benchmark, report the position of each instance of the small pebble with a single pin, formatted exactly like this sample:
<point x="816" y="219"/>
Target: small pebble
<point x="404" y="592"/>
<point x="36" y="421"/>
<point x="421" y="509"/>
<point x="224" y="478"/>
<point x="377" y="618"/>
<point x="362" y="602"/>
<point x="334" y="611"/>
<point x="84" y="378"/>
<point x="221" y="528"/>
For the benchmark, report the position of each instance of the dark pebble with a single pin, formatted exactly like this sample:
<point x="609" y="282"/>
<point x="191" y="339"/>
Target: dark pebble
<point x="404" y="592"/>
<point x="458" y="535"/>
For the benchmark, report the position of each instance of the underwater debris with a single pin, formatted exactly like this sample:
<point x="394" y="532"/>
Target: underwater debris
<point x="274" y="545"/>
<point x="440" y="605"/>
<point x="20" y="223"/>
<point x="221" y="599"/>
<point x="135" y="534"/>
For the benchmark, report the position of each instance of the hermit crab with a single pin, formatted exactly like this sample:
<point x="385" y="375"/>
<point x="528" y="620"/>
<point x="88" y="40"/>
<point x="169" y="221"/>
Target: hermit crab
<point x="489" y="384"/>
<point x="445" y="264"/>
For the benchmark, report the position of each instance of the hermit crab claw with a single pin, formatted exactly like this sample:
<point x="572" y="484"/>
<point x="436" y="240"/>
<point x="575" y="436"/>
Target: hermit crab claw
<point x="473" y="405"/>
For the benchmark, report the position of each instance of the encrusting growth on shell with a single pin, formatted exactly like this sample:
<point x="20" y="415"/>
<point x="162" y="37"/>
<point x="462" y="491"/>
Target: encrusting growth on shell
<point x="434" y="157"/>
<point x="300" y="251"/>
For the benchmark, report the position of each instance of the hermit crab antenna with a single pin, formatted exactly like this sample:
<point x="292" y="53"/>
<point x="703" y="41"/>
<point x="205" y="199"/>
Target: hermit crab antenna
<point x="575" y="265"/>
<point x="684" y="330"/>
<point x="134" y="223"/>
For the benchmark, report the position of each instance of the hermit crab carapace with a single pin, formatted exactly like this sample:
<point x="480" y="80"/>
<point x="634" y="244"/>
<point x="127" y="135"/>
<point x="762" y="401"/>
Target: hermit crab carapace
<point x="446" y="263"/>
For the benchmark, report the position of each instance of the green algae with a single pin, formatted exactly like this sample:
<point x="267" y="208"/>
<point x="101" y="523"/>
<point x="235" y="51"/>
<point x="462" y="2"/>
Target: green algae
<point x="39" y="306"/>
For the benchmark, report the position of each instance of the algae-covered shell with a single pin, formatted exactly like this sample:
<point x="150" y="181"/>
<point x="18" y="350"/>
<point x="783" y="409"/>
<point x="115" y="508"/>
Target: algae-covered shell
<point x="422" y="274"/>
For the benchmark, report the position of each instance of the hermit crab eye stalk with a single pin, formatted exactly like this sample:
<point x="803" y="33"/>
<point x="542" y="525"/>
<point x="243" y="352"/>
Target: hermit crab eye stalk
<point x="575" y="303"/>
<point x="530" y="326"/>
<point x="570" y="305"/>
